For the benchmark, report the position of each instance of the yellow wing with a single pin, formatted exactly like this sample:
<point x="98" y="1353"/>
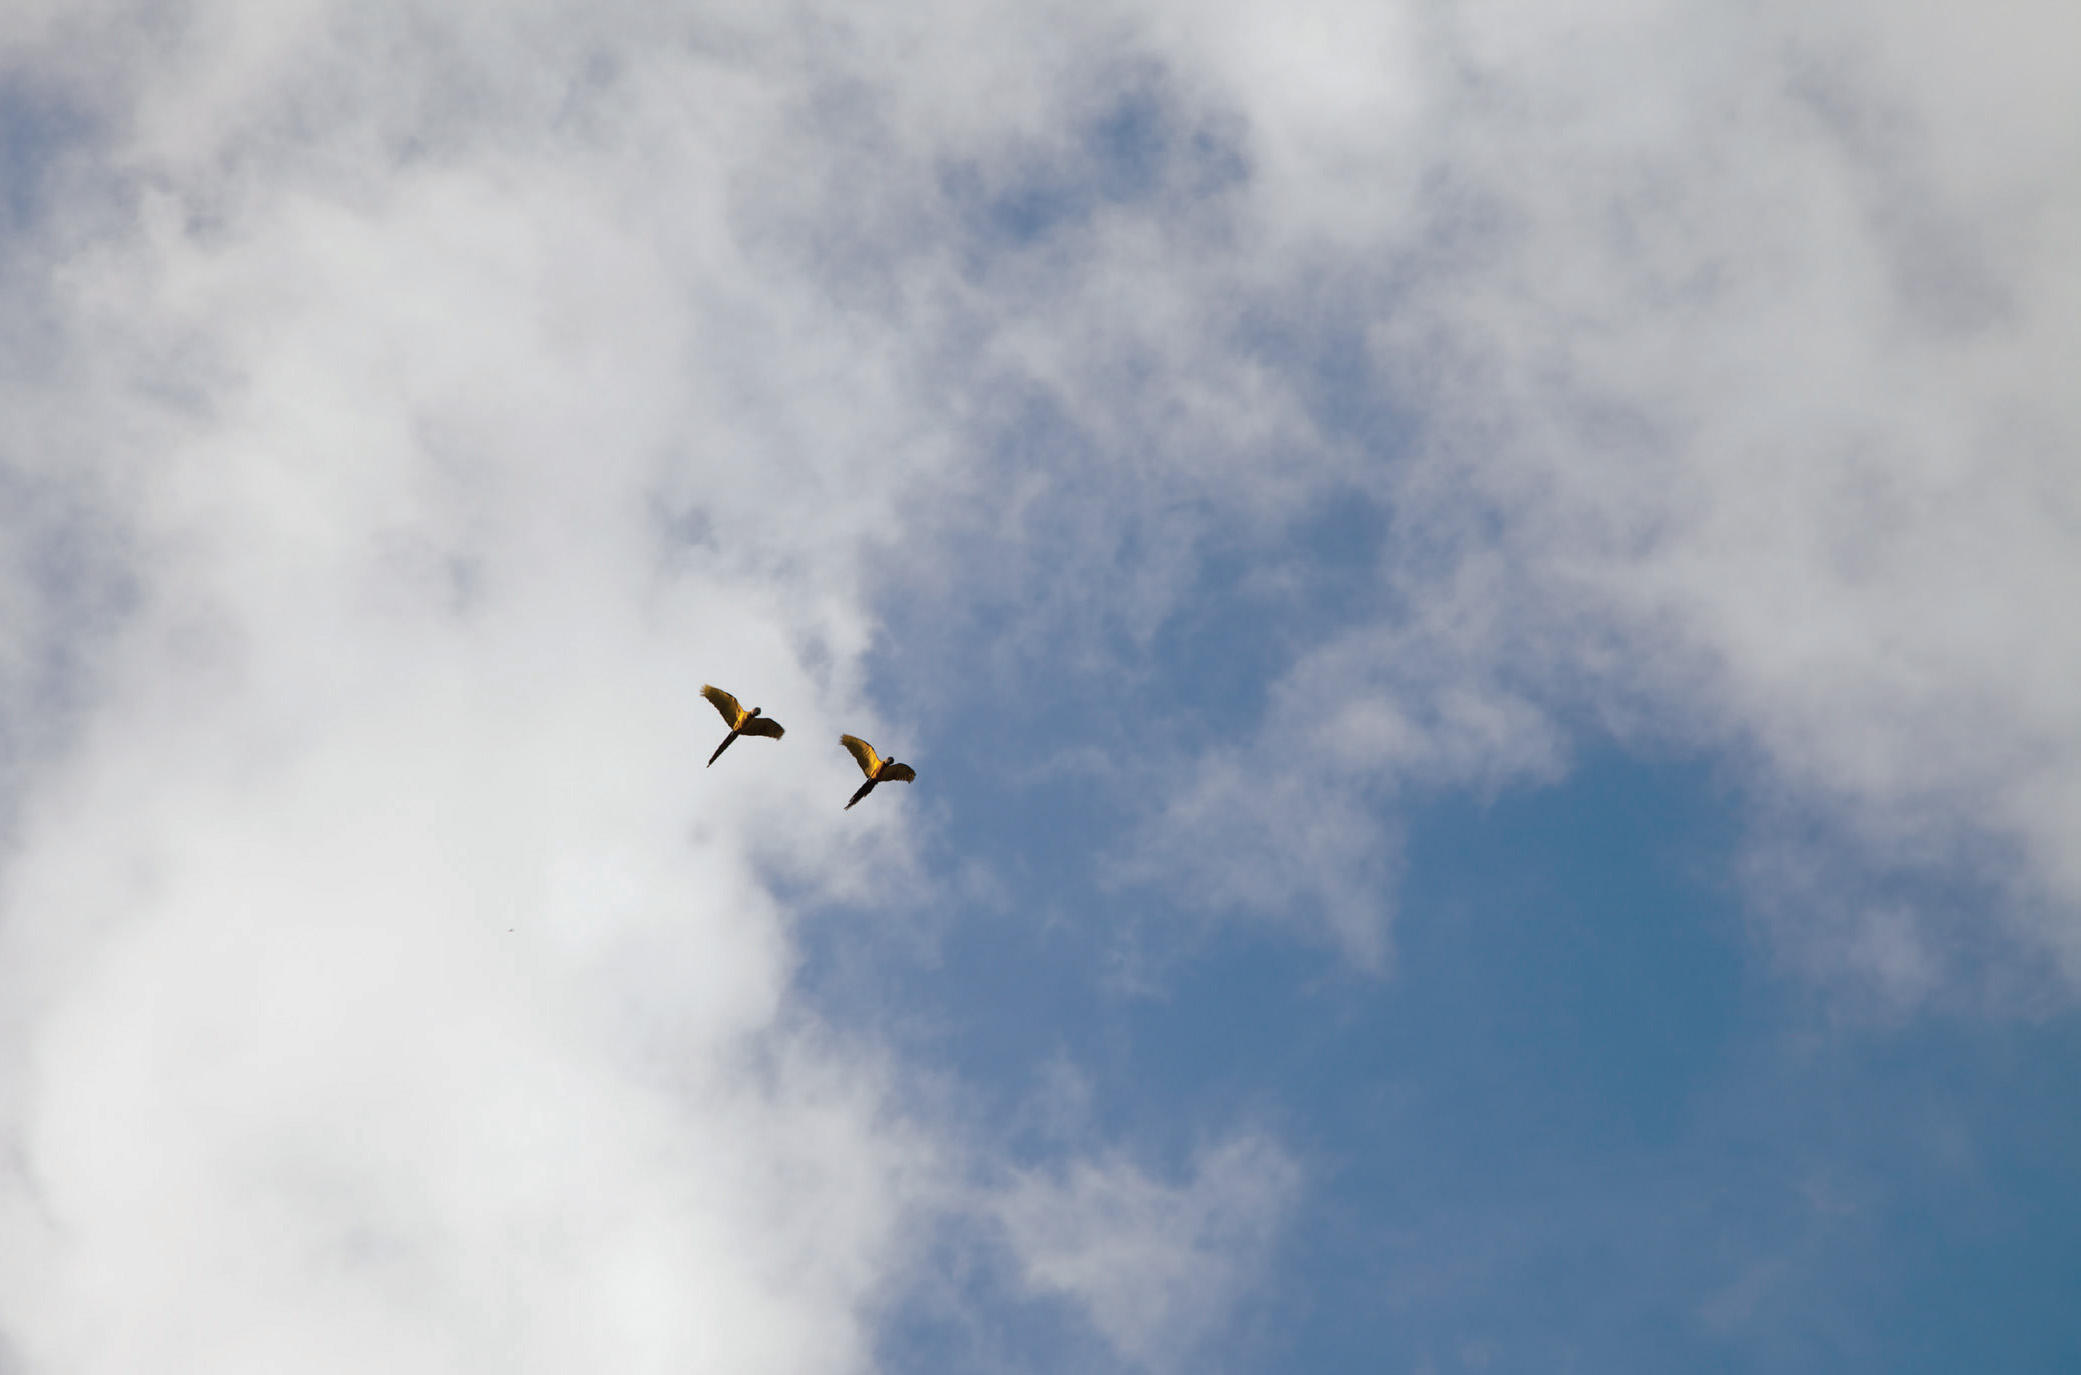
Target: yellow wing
<point x="763" y="725"/>
<point x="900" y="773"/>
<point x="724" y="703"/>
<point x="863" y="753"/>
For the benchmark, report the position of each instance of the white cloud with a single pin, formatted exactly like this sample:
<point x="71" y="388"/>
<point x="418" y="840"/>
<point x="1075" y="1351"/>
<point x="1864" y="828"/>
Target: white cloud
<point x="1285" y="826"/>
<point x="1155" y="1265"/>
<point x="1725" y="344"/>
<point x="388" y="985"/>
<point x="1790" y="420"/>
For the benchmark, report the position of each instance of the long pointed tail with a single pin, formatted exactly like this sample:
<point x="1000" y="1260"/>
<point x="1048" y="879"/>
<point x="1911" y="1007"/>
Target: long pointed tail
<point x="865" y="788"/>
<point x="720" y="748"/>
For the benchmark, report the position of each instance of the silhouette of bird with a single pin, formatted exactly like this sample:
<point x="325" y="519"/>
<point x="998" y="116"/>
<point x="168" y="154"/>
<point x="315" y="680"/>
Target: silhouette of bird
<point x="740" y="721"/>
<point x="877" y="769"/>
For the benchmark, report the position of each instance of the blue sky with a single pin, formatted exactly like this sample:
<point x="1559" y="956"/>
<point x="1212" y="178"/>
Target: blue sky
<point x="1585" y="1125"/>
<point x="1476" y="592"/>
<point x="1588" y="1121"/>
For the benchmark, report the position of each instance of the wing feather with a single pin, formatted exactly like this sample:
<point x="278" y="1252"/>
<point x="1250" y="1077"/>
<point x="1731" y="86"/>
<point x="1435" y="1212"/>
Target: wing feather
<point x="863" y="754"/>
<point x="763" y="725"/>
<point x="724" y="703"/>
<point x="899" y="773"/>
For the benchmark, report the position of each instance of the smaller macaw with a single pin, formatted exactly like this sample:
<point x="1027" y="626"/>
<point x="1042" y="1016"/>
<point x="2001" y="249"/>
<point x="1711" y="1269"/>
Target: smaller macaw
<point x="877" y="769"/>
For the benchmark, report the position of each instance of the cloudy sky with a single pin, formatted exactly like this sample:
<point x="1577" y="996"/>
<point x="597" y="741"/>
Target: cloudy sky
<point x="1482" y="595"/>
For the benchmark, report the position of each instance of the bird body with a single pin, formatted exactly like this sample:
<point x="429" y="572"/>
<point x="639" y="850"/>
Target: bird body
<point x="877" y="769"/>
<point x="740" y="721"/>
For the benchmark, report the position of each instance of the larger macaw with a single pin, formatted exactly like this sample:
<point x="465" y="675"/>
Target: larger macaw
<point x="740" y="721"/>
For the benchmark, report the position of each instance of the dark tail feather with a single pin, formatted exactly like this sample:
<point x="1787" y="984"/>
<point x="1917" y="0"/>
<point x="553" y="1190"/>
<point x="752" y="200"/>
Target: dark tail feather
<point x="723" y="746"/>
<point x="865" y="788"/>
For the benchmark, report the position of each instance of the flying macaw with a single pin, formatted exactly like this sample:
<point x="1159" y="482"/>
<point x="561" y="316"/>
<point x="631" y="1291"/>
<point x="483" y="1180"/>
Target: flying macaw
<point x="740" y="721"/>
<point x="877" y="769"/>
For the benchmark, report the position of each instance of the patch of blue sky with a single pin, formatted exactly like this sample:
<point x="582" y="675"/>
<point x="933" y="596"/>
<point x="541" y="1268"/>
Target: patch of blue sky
<point x="36" y="130"/>
<point x="1254" y="608"/>
<point x="1583" y="1126"/>
<point x="1135" y="143"/>
<point x="1590" y="1120"/>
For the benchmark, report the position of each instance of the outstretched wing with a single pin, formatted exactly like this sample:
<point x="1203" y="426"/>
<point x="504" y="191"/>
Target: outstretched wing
<point x="724" y="703"/>
<point x="899" y="773"/>
<point x="863" y="753"/>
<point x="763" y="725"/>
